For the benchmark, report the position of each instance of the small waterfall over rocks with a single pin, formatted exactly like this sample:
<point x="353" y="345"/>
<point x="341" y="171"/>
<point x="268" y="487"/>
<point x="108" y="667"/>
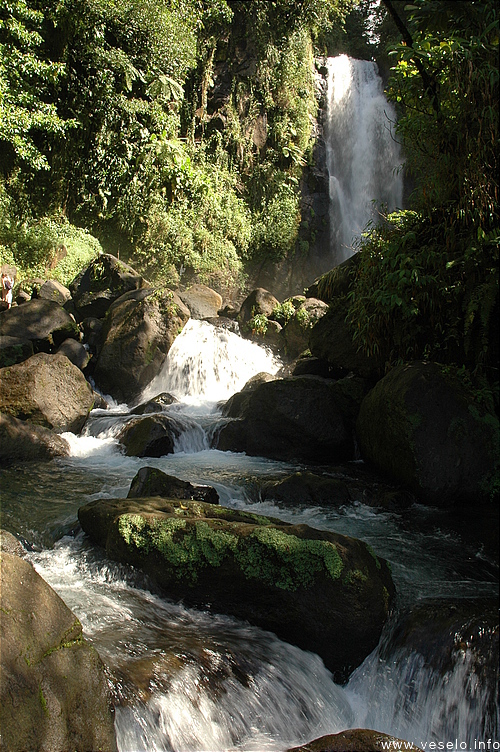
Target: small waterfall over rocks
<point x="362" y="154"/>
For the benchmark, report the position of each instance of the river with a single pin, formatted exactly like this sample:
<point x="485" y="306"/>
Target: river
<point x="186" y="680"/>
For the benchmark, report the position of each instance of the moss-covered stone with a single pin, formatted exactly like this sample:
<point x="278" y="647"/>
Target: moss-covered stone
<point x="323" y="591"/>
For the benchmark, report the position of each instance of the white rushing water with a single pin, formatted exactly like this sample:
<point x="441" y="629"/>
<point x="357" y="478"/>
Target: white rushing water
<point x="363" y="157"/>
<point x="186" y="680"/>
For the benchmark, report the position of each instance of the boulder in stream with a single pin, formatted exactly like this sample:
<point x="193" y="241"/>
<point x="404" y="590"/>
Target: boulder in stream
<point x="138" y="332"/>
<point x="150" y="481"/>
<point x="304" y="418"/>
<point x="422" y="427"/>
<point x="54" y="694"/>
<point x="151" y="436"/>
<point x="322" y="591"/>
<point x="47" y="390"/>
<point x="202" y="301"/>
<point x="357" y="740"/>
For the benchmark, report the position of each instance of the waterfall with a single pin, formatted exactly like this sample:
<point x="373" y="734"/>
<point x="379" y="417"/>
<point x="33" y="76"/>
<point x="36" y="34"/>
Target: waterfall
<point x="363" y="157"/>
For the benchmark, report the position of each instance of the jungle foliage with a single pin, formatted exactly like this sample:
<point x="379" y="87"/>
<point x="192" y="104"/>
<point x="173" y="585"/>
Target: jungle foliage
<point x="175" y="131"/>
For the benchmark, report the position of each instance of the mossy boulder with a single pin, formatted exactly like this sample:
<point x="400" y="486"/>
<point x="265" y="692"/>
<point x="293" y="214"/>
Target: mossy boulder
<point x="301" y="418"/>
<point x="138" y="332"/>
<point x="357" y="740"/>
<point x="21" y="441"/>
<point x="101" y="283"/>
<point x="47" y="390"/>
<point x="322" y="591"/>
<point x="422" y="427"/>
<point x="258" y="302"/>
<point x="298" y="328"/>
<point x="42" y="322"/>
<point x="53" y="690"/>
<point x="150" y="481"/>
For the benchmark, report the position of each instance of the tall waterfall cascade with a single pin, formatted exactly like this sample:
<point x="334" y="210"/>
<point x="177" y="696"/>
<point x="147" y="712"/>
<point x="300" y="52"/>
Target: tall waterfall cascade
<point x="363" y="155"/>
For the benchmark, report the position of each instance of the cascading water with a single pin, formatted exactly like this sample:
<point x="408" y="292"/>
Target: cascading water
<point x="363" y="157"/>
<point x="185" y="680"/>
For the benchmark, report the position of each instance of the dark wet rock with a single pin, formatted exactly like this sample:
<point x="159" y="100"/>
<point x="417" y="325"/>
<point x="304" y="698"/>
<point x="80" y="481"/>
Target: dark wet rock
<point x="47" y="390"/>
<point x="335" y="283"/>
<point x="55" y="291"/>
<point x="302" y="418"/>
<point x="308" y="365"/>
<point x="422" y="427"/>
<point x="14" y="350"/>
<point x="152" y="436"/>
<point x="322" y="591"/>
<point x="101" y="283"/>
<point x="356" y="740"/>
<point x="307" y="488"/>
<point x="224" y="322"/>
<point x="42" y="322"/>
<point x="238" y="403"/>
<point x="202" y="301"/>
<point x="21" y="441"/>
<point x="92" y="333"/>
<point x="155" y="405"/>
<point x="331" y="340"/>
<point x="138" y="332"/>
<point x="75" y="352"/>
<point x="150" y="481"/>
<point x="53" y="691"/>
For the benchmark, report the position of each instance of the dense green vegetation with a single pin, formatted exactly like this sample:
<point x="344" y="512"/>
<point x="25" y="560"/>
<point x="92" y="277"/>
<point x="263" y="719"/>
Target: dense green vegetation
<point x="175" y="132"/>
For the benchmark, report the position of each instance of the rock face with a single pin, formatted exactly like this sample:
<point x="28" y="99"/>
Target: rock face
<point x="42" y="322"/>
<point x="23" y="442"/>
<point x="421" y="427"/>
<point x="150" y="481"/>
<point x="47" y="390"/>
<point x="319" y="590"/>
<point x="138" y="332"/>
<point x="356" y="740"/>
<point x="101" y="283"/>
<point x="53" y="691"/>
<point x="202" y="301"/>
<point x="300" y="418"/>
<point x="331" y="340"/>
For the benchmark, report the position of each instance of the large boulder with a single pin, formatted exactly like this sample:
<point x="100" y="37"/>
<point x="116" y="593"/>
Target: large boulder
<point x="101" y="283"/>
<point x="23" y="442"/>
<point x="304" y="418"/>
<point x="357" y="740"/>
<point x="298" y="328"/>
<point x="306" y="488"/>
<point x="422" y="427"/>
<point x="55" y="291"/>
<point x="138" y="332"/>
<point x="149" y="481"/>
<point x="330" y="340"/>
<point x="42" y="322"/>
<point x="202" y="301"/>
<point x="75" y="352"/>
<point x="319" y="590"/>
<point x="53" y="691"/>
<point x="47" y="390"/>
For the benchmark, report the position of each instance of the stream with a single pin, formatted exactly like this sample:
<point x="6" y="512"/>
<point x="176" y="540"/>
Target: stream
<point x="186" y="680"/>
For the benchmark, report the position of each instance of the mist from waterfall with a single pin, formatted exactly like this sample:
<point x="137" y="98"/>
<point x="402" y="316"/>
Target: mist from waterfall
<point x="363" y="156"/>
